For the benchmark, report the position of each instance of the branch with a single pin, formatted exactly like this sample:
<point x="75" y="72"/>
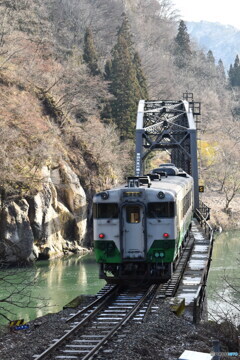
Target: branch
<point x="10" y="56"/>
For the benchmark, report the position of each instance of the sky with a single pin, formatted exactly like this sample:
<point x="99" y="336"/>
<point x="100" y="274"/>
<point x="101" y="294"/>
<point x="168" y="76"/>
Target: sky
<point x="225" y="12"/>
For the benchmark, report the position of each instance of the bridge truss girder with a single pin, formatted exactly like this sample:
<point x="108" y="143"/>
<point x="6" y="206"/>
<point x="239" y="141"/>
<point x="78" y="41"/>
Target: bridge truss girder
<point x="168" y="125"/>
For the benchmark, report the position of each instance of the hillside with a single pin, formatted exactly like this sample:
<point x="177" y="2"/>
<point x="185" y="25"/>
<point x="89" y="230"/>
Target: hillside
<point x="52" y="161"/>
<point x="56" y="149"/>
<point x="223" y="40"/>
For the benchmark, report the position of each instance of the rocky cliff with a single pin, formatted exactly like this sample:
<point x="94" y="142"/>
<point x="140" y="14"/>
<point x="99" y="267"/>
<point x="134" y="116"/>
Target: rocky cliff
<point x="51" y="223"/>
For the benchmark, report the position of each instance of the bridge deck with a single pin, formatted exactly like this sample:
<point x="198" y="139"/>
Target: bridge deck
<point x="192" y="285"/>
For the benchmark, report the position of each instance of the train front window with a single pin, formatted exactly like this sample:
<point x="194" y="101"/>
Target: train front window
<point x="161" y="210"/>
<point x="133" y="214"/>
<point x="105" y="211"/>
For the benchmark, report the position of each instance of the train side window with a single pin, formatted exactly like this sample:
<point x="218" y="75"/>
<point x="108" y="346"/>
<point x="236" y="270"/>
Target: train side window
<point x="133" y="214"/>
<point x="105" y="211"/>
<point x="187" y="202"/>
<point x="161" y="210"/>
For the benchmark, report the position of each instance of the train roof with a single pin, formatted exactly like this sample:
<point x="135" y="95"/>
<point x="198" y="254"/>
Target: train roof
<point x="166" y="178"/>
<point x="170" y="184"/>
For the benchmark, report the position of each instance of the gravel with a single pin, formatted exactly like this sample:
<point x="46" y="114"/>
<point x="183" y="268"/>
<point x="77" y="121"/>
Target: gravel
<point x="164" y="336"/>
<point x="23" y="344"/>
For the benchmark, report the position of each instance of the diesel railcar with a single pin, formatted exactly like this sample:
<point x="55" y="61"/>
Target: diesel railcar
<point x="140" y="228"/>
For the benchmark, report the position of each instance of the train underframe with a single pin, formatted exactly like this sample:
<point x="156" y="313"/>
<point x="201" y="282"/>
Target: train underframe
<point x="136" y="271"/>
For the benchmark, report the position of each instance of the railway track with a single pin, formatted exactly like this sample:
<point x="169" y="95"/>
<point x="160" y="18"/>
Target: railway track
<point x="169" y="289"/>
<point x="91" y="327"/>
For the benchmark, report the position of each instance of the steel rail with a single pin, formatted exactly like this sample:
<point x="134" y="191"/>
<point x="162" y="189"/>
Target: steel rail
<point x="149" y="305"/>
<point x="95" y="302"/>
<point x="78" y="326"/>
<point x="152" y="289"/>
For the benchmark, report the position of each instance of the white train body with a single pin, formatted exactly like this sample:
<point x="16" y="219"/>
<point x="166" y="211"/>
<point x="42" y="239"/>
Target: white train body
<point x="139" y="229"/>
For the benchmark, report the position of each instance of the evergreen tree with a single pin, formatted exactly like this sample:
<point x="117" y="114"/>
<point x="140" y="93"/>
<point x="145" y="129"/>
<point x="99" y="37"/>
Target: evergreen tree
<point x="106" y="113"/>
<point x="201" y="56"/>
<point x="221" y="70"/>
<point x="89" y="53"/>
<point x="128" y="83"/>
<point x="108" y="70"/>
<point x="236" y="62"/>
<point x="125" y="88"/>
<point x="182" y="49"/>
<point x="236" y="70"/>
<point x="234" y="73"/>
<point x="125" y="31"/>
<point x="140" y="76"/>
<point x="210" y="57"/>
<point x="230" y="75"/>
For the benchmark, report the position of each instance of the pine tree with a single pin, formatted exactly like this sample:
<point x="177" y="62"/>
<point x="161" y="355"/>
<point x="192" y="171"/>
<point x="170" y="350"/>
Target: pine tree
<point x="89" y="53"/>
<point x="236" y="69"/>
<point x="108" y="70"/>
<point x="210" y="57"/>
<point x="140" y="76"/>
<point x="128" y="83"/>
<point x="234" y="73"/>
<point x="125" y="88"/>
<point x="182" y="49"/>
<point x="125" y="31"/>
<point x="221" y="70"/>
<point x="230" y="75"/>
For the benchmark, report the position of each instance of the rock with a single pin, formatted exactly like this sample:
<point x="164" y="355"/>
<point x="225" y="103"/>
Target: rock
<point x="49" y="224"/>
<point x="74" y="198"/>
<point x="59" y="213"/>
<point x="15" y="232"/>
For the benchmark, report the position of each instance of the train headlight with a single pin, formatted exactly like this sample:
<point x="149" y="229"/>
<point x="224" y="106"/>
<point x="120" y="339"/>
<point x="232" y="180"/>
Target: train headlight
<point x="161" y="195"/>
<point x="165" y="235"/>
<point x="104" y="195"/>
<point x="161" y="254"/>
<point x="156" y="254"/>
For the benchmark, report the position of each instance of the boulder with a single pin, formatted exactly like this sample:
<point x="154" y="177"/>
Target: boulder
<point x="16" y="232"/>
<point x="49" y="224"/>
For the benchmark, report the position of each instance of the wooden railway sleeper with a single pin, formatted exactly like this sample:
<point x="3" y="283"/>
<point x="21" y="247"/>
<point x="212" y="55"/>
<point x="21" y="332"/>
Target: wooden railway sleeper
<point x="78" y="326"/>
<point x="151" y="290"/>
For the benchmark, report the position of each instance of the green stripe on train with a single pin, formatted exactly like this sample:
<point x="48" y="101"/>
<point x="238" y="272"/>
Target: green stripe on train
<point x="107" y="252"/>
<point x="166" y="250"/>
<point x="161" y="251"/>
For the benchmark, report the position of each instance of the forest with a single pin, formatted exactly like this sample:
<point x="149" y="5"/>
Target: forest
<point x="71" y="75"/>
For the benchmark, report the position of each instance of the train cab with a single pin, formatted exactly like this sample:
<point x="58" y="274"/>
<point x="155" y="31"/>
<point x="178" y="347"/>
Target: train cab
<point x="139" y="228"/>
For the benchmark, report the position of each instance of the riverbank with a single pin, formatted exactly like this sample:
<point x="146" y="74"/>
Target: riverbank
<point x="164" y="336"/>
<point x="221" y="219"/>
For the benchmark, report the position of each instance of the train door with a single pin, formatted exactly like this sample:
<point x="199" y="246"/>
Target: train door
<point x="133" y="240"/>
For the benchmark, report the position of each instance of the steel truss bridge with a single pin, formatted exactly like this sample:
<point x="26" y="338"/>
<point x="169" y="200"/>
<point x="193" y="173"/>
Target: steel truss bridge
<point x="172" y="126"/>
<point x="169" y="125"/>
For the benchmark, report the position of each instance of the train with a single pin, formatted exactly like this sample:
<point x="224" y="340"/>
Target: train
<point x="141" y="228"/>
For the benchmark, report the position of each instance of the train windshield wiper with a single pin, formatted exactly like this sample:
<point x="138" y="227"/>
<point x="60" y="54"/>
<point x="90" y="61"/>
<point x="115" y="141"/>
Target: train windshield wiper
<point x="155" y="216"/>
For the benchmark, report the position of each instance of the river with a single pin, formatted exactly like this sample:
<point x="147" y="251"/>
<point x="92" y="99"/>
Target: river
<point x="54" y="283"/>
<point x="58" y="281"/>
<point x="223" y="301"/>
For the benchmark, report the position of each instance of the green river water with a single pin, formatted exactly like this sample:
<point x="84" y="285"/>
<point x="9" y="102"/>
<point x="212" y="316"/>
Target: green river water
<point x="61" y="280"/>
<point x="58" y="281"/>
<point x="222" y="299"/>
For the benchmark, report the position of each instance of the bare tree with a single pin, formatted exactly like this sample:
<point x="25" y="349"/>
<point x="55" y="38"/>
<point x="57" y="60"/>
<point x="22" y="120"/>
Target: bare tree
<point x="17" y="286"/>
